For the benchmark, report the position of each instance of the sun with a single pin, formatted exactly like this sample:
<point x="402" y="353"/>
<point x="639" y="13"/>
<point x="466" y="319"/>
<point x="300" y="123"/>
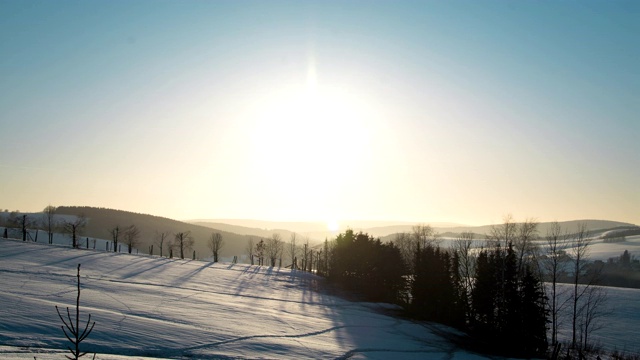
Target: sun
<point x="315" y="141"/>
<point x="333" y="225"/>
<point x="310" y="142"/>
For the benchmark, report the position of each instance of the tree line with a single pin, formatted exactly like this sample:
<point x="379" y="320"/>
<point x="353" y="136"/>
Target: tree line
<point x="274" y="251"/>
<point x="165" y="242"/>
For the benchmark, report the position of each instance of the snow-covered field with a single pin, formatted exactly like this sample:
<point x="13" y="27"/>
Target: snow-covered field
<point x="148" y="306"/>
<point x="598" y="250"/>
<point x="620" y="321"/>
<point x="601" y="250"/>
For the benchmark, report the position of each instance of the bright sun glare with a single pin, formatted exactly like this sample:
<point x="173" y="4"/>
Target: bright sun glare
<point x="311" y="142"/>
<point x="321" y="128"/>
<point x="320" y="135"/>
<point x="333" y="226"/>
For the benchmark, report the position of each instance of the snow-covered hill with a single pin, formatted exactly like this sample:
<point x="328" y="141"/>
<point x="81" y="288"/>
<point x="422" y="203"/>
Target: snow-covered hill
<point x="157" y="307"/>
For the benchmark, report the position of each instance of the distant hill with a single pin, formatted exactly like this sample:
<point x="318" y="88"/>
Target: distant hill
<point x="244" y="224"/>
<point x="594" y="226"/>
<point x="380" y="231"/>
<point x="316" y="231"/>
<point x="543" y="227"/>
<point x="101" y="220"/>
<point x="242" y="230"/>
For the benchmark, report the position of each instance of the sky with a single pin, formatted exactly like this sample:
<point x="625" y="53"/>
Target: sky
<point x="425" y="111"/>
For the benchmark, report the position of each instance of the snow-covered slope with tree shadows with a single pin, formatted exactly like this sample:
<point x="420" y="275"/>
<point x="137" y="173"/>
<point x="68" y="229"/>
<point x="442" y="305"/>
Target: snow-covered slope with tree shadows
<point x="169" y="308"/>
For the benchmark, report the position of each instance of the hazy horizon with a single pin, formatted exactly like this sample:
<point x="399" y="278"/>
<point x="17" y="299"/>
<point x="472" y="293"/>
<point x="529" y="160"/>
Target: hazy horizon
<point x="319" y="225"/>
<point x="456" y="111"/>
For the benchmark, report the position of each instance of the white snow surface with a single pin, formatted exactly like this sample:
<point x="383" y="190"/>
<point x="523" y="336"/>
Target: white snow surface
<point x="618" y="328"/>
<point x="147" y="306"/>
<point x="601" y="250"/>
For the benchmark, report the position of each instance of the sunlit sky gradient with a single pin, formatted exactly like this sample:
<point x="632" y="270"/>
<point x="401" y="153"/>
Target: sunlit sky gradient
<point x="431" y="111"/>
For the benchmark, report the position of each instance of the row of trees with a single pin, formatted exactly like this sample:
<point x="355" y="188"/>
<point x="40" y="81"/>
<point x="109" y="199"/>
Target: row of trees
<point x="276" y="252"/>
<point x="272" y="251"/>
<point x="48" y="222"/>
<point x="130" y="236"/>
<point x="181" y="242"/>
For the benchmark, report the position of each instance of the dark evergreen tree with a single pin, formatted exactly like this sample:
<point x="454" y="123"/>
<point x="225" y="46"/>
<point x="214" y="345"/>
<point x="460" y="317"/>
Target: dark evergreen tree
<point x="534" y="318"/>
<point x="434" y="294"/>
<point x="364" y="264"/>
<point x="510" y="310"/>
<point x="625" y="259"/>
<point x="509" y="300"/>
<point x="461" y="302"/>
<point x="484" y="294"/>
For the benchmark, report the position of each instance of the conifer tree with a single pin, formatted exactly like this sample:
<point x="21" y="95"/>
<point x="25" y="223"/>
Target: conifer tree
<point x="509" y="304"/>
<point x="534" y="315"/>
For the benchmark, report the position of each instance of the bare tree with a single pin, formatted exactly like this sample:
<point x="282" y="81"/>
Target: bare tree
<point x="406" y="245"/>
<point x="160" y="240"/>
<point x="78" y="336"/>
<point x="579" y="254"/>
<point x="171" y="244"/>
<point x="292" y="251"/>
<point x="523" y="244"/>
<point x="274" y="247"/>
<point x="21" y="221"/>
<point x="466" y="264"/>
<point x="25" y="222"/>
<point x="305" y="254"/>
<point x="215" y="244"/>
<point x="554" y="261"/>
<point x="13" y="220"/>
<point x="183" y="241"/>
<point x="250" y="249"/>
<point x="436" y="237"/>
<point x="115" y="235"/>
<point x="504" y="233"/>
<point x="326" y="257"/>
<point x="131" y="237"/>
<point x="310" y="264"/>
<point x="48" y="221"/>
<point x="260" y="250"/>
<point x="423" y="235"/>
<point x="591" y="312"/>
<point x="74" y="228"/>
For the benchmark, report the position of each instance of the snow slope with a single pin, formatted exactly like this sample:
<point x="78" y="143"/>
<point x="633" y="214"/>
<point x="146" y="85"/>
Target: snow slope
<point x="146" y="306"/>
<point x="617" y="328"/>
<point x="601" y="250"/>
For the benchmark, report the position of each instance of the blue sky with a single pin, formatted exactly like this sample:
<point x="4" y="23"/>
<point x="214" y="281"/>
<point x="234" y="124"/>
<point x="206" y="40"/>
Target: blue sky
<point x="422" y="111"/>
